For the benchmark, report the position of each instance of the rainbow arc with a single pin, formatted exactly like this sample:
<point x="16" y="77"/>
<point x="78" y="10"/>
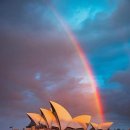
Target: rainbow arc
<point x="84" y="60"/>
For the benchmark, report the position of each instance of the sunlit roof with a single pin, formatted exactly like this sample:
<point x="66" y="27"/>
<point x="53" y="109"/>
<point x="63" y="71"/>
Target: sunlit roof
<point x="103" y="126"/>
<point x="84" y="120"/>
<point x="62" y="114"/>
<point x="57" y="117"/>
<point x="36" y="118"/>
<point x="50" y="118"/>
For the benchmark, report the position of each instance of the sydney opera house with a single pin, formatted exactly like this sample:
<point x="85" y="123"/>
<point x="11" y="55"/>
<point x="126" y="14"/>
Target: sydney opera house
<point x="58" y="118"/>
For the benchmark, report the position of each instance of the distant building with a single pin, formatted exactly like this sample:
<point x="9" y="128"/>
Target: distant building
<point x="58" y="118"/>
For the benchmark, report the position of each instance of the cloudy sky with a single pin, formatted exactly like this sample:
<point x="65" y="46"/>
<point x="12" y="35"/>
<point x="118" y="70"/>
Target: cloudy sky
<point x="38" y="62"/>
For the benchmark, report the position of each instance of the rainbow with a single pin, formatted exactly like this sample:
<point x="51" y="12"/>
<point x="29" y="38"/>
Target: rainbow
<point x="85" y="62"/>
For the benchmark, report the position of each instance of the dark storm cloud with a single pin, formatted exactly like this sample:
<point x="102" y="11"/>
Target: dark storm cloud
<point x="116" y="101"/>
<point x="121" y="16"/>
<point x="28" y="15"/>
<point x="122" y="78"/>
<point x="108" y="28"/>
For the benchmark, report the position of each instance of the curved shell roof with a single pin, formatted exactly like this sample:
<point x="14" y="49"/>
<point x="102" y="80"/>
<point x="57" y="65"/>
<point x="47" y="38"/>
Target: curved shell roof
<point x="74" y="125"/>
<point x="59" y="117"/>
<point x="84" y="120"/>
<point x="62" y="114"/>
<point x="103" y="126"/>
<point x="50" y="118"/>
<point x="94" y="125"/>
<point x="36" y="118"/>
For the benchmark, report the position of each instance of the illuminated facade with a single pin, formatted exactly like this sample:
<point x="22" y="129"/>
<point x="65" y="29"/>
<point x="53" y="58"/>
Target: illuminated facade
<point x="58" y="118"/>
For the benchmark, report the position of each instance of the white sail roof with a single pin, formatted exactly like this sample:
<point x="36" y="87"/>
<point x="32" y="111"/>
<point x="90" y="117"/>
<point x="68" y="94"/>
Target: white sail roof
<point x="84" y="120"/>
<point x="94" y="125"/>
<point x="74" y="125"/>
<point x="36" y="118"/>
<point x="50" y="118"/>
<point x="103" y="126"/>
<point x="62" y="114"/>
